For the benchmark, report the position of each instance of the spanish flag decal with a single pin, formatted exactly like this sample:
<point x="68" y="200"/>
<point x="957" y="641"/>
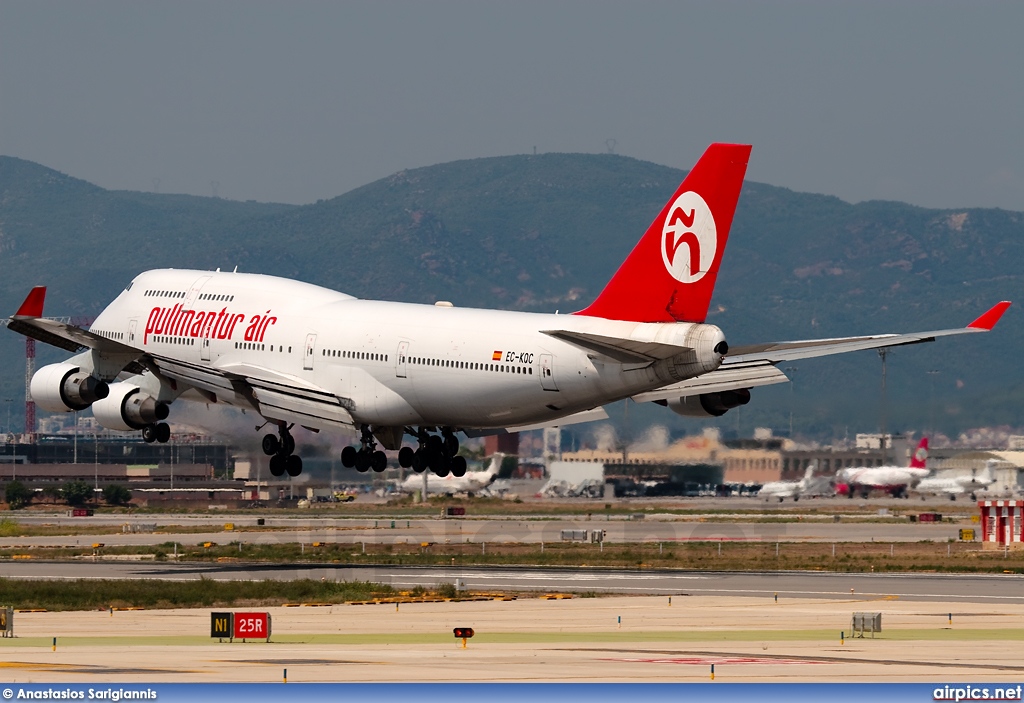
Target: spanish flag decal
<point x="496" y="356"/>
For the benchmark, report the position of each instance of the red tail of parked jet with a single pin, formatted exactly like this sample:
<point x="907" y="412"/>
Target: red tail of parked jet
<point x="670" y="274"/>
<point x="920" y="456"/>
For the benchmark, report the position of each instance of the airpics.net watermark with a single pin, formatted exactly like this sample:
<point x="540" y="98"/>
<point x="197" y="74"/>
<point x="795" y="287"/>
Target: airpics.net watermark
<point x="114" y="695"/>
<point x="977" y="693"/>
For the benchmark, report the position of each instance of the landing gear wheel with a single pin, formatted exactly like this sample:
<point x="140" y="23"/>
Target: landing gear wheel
<point x="451" y="444"/>
<point x="163" y="433"/>
<point x="362" y="462"/>
<point x="405" y="457"/>
<point x="458" y="466"/>
<point x="149" y="434"/>
<point x="348" y="457"/>
<point x="419" y="461"/>
<point x="278" y="464"/>
<point x="287" y="442"/>
<point x="444" y="467"/>
<point x="379" y="461"/>
<point x="293" y="464"/>
<point x="271" y="444"/>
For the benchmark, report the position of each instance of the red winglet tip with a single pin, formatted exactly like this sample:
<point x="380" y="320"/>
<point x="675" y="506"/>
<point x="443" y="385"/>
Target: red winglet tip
<point x="33" y="305"/>
<point x="990" y="318"/>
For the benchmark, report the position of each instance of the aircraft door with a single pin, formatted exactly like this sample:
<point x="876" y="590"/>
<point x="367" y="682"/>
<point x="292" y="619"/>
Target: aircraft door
<point x="547" y="372"/>
<point x="193" y="293"/>
<point x="132" y="324"/>
<point x="400" y="360"/>
<point x="204" y="347"/>
<point x="307" y="358"/>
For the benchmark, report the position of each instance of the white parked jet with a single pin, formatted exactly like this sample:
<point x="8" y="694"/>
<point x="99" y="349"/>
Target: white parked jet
<point x="892" y="479"/>
<point x="809" y="485"/>
<point x="958" y="485"/>
<point x="299" y="354"/>
<point x="470" y="482"/>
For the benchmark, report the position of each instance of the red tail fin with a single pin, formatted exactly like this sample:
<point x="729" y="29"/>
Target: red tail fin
<point x="920" y="457"/>
<point x="670" y="274"/>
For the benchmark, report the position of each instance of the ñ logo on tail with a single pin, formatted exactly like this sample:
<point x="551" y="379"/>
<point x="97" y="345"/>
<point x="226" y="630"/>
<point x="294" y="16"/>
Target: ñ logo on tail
<point x="689" y="240"/>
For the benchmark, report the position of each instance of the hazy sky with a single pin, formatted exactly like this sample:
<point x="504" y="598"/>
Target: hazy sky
<point x="295" y="101"/>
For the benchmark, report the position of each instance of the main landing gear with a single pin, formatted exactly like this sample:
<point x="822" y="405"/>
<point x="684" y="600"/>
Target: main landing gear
<point x="281" y="450"/>
<point x="367" y="456"/>
<point x="439" y="453"/>
<point x="158" y="432"/>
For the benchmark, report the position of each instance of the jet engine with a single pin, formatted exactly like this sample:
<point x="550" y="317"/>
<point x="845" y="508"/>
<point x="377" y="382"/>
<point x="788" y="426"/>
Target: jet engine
<point x="65" y="388"/>
<point x="709" y="404"/>
<point x="128" y="407"/>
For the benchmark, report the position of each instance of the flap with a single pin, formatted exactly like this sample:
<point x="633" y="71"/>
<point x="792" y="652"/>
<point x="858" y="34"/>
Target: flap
<point x="725" y="378"/>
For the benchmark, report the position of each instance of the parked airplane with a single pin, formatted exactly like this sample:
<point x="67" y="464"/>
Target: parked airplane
<point x="958" y="485"/>
<point x="809" y="485"/>
<point x="470" y="482"/>
<point x="892" y="479"/>
<point x="299" y="354"/>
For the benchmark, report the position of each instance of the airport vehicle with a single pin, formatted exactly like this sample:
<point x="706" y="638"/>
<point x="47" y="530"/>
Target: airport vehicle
<point x="809" y="485"/>
<point x="958" y="485"/>
<point x="894" y="480"/>
<point x="470" y="482"/>
<point x="299" y="354"/>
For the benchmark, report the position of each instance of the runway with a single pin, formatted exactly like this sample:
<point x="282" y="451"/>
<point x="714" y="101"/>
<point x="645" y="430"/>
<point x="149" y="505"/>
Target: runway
<point x="960" y="588"/>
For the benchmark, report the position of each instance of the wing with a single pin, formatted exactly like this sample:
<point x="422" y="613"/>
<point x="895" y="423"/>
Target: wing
<point x="754" y="365"/>
<point x="624" y="351"/>
<point x="591" y="415"/>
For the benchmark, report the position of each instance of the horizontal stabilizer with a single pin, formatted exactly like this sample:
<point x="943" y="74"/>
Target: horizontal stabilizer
<point x="586" y="416"/>
<point x="624" y="351"/>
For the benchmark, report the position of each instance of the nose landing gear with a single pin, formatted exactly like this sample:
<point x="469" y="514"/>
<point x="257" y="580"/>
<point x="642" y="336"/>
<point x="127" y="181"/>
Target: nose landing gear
<point x="159" y="432"/>
<point x="281" y="450"/>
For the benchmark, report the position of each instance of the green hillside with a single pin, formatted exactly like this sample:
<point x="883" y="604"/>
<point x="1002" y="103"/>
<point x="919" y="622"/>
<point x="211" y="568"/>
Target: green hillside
<point x="545" y="232"/>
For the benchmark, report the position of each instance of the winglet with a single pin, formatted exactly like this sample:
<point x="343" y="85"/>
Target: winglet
<point x="990" y="318"/>
<point x="33" y="305"/>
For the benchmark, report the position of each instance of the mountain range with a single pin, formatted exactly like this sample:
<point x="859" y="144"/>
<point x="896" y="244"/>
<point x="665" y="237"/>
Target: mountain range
<point x="544" y="233"/>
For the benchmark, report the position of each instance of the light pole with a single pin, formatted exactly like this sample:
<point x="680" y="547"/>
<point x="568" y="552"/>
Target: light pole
<point x="791" y="372"/>
<point x="882" y="354"/>
<point x="931" y="401"/>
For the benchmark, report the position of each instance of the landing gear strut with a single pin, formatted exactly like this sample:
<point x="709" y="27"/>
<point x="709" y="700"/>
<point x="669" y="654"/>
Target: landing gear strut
<point x="367" y="456"/>
<point x="281" y="450"/>
<point x="159" y="432"/>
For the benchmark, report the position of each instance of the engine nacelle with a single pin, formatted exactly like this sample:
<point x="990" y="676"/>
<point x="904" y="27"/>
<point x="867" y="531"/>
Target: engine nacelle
<point x="128" y="407"/>
<point x="709" y="404"/>
<point x="65" y="388"/>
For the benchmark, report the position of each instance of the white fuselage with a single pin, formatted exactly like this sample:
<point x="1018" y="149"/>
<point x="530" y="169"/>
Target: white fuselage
<point x="393" y="364"/>
<point x="881" y="476"/>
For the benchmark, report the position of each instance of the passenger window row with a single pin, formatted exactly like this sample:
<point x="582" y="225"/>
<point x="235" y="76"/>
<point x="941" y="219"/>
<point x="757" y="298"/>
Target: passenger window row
<point x="467" y="365"/>
<point x="253" y="346"/>
<point x="164" y="339"/>
<point x="164" y="294"/>
<point x="211" y="296"/>
<point x="361" y="356"/>
<point x="109" y="335"/>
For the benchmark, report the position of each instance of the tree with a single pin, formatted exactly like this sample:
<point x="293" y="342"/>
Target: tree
<point x="76" y="492"/>
<point x="116" y="494"/>
<point x="18" y="495"/>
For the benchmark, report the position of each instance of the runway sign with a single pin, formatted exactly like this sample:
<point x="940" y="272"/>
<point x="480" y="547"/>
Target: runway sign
<point x="252" y="626"/>
<point x="222" y="625"/>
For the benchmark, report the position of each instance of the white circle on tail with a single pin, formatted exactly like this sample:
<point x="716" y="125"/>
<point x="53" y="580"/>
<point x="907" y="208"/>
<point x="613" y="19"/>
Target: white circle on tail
<point x="689" y="239"/>
<point x="921" y="454"/>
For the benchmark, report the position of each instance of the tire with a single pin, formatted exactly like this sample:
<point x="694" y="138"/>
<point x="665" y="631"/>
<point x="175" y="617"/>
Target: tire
<point x="451" y="444"/>
<point x="163" y="433"/>
<point x="379" y="461"/>
<point x="458" y="466"/>
<point x="348" y="457"/>
<point x="293" y="464"/>
<point x="405" y="455"/>
<point x="149" y="434"/>
<point x="271" y="445"/>
<point x="362" y="462"/>
<point x="419" y="461"/>
<point x="277" y="465"/>
<point x="287" y="444"/>
<point x="435" y="443"/>
<point x="443" y="468"/>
